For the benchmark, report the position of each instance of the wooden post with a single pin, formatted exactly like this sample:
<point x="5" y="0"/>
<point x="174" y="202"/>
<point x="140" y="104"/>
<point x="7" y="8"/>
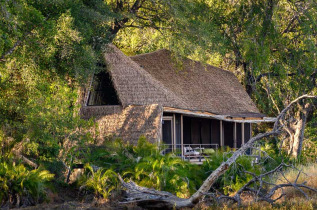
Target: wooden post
<point x="182" y="136"/>
<point x="160" y="140"/>
<point x="235" y="135"/>
<point x="221" y="134"/>
<point x="250" y="130"/>
<point x="174" y="132"/>
<point x="242" y="132"/>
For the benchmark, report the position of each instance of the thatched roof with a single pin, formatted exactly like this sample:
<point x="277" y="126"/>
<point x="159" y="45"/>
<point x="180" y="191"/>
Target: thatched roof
<point x="154" y="78"/>
<point x="134" y="85"/>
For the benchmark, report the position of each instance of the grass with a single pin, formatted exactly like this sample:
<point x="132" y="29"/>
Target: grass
<point x="307" y="176"/>
<point x="293" y="199"/>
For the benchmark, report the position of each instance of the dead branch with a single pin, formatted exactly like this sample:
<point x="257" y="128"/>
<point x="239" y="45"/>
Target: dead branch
<point x="150" y="198"/>
<point x="258" y="186"/>
<point x="283" y="112"/>
<point x="17" y="152"/>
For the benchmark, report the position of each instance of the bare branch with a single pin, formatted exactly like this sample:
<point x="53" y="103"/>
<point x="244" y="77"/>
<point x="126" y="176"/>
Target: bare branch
<point x="283" y="112"/>
<point x="150" y="198"/>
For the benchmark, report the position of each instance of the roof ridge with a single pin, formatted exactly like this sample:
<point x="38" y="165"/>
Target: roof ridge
<point x="183" y="58"/>
<point x="150" y="53"/>
<point x="148" y="77"/>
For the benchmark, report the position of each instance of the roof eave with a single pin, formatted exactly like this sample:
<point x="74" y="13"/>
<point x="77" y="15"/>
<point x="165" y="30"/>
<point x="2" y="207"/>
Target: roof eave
<point x="218" y="117"/>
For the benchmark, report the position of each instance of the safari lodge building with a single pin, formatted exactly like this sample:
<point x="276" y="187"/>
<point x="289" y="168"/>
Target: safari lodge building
<point x="183" y="104"/>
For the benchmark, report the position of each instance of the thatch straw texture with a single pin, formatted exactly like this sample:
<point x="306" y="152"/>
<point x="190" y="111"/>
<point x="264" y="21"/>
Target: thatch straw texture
<point x="98" y="112"/>
<point x="128" y="124"/>
<point x="154" y="78"/>
<point x="147" y="83"/>
<point x="134" y="85"/>
<point x="200" y="87"/>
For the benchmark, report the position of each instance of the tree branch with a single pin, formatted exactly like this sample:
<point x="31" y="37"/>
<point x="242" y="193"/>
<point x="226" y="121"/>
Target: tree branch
<point x="10" y="51"/>
<point x="150" y="198"/>
<point x="271" y="74"/>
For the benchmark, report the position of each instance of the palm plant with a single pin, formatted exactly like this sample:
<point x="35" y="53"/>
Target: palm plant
<point x="167" y="173"/>
<point x="20" y="186"/>
<point x="101" y="182"/>
<point x="145" y="165"/>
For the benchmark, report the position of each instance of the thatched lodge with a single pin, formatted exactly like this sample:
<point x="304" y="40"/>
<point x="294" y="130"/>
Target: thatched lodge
<point x="180" y="104"/>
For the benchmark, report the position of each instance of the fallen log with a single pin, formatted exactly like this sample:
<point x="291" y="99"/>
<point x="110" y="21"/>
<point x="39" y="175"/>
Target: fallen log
<point x="150" y="198"/>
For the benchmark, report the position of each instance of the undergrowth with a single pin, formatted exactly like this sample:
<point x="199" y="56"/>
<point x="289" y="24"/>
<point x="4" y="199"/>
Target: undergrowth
<point x="20" y="186"/>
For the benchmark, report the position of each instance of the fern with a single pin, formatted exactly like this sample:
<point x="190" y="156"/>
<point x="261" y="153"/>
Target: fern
<point x="16" y="181"/>
<point x="102" y="182"/>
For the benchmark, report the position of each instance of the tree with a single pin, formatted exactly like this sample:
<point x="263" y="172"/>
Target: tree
<point x="150" y="198"/>
<point x="48" y="49"/>
<point x="269" y="45"/>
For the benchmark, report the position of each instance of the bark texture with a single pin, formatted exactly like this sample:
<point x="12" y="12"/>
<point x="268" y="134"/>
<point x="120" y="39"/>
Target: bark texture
<point x="150" y="198"/>
<point x="297" y="131"/>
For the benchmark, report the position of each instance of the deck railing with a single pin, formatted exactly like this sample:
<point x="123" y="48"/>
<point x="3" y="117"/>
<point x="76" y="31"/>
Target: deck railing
<point x="190" y="152"/>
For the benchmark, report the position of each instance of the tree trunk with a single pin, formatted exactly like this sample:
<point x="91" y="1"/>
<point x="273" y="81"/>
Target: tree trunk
<point x="297" y="136"/>
<point x="150" y="198"/>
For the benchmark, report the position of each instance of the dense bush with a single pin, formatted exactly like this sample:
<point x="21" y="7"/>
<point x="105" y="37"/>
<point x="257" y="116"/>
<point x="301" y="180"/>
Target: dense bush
<point x="20" y="186"/>
<point x="235" y="177"/>
<point x="147" y="167"/>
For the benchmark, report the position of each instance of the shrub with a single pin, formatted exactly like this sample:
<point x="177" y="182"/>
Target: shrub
<point x="167" y="173"/>
<point x="145" y="165"/>
<point x="101" y="182"/>
<point x="20" y="186"/>
<point x="235" y="177"/>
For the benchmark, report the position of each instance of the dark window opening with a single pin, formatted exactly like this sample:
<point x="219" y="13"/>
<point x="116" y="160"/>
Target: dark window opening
<point x="200" y="131"/>
<point x="215" y="132"/>
<point x="228" y="133"/>
<point x="187" y="130"/>
<point x="239" y="135"/>
<point x="167" y="131"/>
<point x="102" y="91"/>
<point x="167" y="114"/>
<point x="247" y="136"/>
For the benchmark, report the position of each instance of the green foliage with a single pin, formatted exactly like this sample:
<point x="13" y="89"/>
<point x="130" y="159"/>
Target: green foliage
<point x="102" y="182"/>
<point x="21" y="186"/>
<point x="47" y="54"/>
<point x="166" y="173"/>
<point x="309" y="152"/>
<point x="147" y="167"/>
<point x="236" y="176"/>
